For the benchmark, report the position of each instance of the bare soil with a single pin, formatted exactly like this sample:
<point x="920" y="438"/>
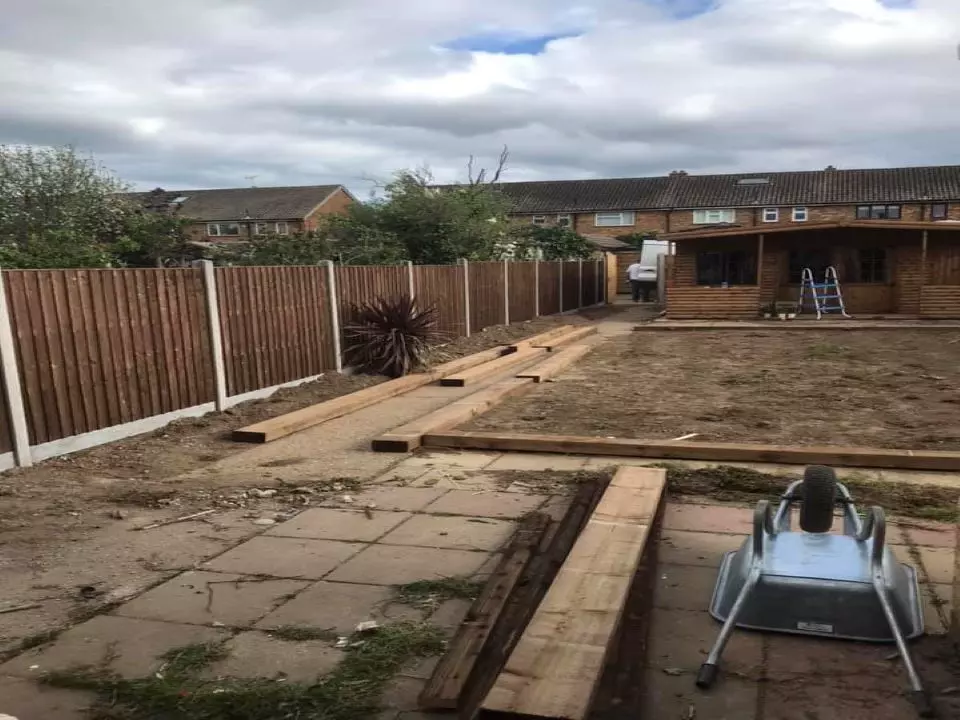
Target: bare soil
<point x="889" y="389"/>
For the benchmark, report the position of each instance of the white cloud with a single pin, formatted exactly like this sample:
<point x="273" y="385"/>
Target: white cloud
<point x="194" y="94"/>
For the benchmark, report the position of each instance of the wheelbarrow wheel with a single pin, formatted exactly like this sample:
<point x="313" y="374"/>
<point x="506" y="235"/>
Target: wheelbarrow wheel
<point x="819" y="492"/>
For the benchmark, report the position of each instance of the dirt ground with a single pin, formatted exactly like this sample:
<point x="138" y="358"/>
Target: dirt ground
<point x="889" y="389"/>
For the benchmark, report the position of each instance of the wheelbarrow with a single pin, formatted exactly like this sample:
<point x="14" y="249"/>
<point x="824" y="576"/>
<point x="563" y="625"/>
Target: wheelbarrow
<point x="811" y="582"/>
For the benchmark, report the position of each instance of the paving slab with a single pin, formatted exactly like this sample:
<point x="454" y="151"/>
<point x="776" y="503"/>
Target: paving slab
<point x="204" y="598"/>
<point x="681" y="639"/>
<point x="285" y="557"/>
<point x="675" y="697"/>
<point x="537" y="462"/>
<point x="683" y="547"/>
<point x="790" y="657"/>
<point x="929" y="534"/>
<point x="334" y="524"/>
<point x="937" y="607"/>
<point x="556" y="507"/>
<point x="409" y="499"/>
<point x="395" y="564"/>
<point x="466" y="459"/>
<point x="844" y="698"/>
<point x="708" y="518"/>
<point x="452" y="478"/>
<point x="451" y="531"/>
<point x="486" y="504"/>
<point x="450" y="614"/>
<point x="337" y="606"/>
<point x="258" y="655"/>
<point x="29" y="700"/>
<point x="128" y="646"/>
<point x="401" y="694"/>
<point x="684" y="587"/>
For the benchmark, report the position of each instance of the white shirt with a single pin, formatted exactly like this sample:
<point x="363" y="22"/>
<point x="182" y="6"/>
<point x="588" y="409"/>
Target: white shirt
<point x="639" y="272"/>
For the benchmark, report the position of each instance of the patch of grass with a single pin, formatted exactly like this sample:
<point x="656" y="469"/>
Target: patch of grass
<point x="430" y="593"/>
<point x="735" y="484"/>
<point x="182" y="661"/>
<point x="299" y="633"/>
<point x="547" y="482"/>
<point x="351" y="692"/>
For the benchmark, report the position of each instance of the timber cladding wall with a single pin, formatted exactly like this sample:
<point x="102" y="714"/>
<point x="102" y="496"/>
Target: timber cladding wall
<point x="940" y="301"/>
<point x="275" y="324"/>
<point x="735" y="303"/>
<point x="103" y="347"/>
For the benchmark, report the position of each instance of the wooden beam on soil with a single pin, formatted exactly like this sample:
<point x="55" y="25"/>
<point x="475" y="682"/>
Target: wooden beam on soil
<point x="557" y="363"/>
<point x="446" y="685"/>
<point x="539" y="340"/>
<point x="556" y="667"/>
<point x="283" y="425"/>
<point x="934" y="460"/>
<point x="568" y="337"/>
<point x="408" y="437"/>
<point x="489" y="369"/>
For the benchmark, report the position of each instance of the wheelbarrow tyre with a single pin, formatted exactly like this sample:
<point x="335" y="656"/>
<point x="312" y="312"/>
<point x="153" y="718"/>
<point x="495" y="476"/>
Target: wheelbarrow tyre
<point x="819" y="492"/>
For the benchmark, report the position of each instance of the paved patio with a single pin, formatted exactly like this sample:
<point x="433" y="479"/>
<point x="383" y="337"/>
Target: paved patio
<point x="441" y="515"/>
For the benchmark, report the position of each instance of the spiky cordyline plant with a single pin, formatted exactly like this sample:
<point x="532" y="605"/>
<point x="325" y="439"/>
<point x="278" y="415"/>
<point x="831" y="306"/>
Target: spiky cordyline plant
<point x="390" y="336"/>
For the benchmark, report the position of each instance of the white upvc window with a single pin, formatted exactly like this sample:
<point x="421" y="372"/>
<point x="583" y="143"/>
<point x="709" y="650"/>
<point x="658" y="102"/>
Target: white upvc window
<point x="539" y="220"/>
<point x="266" y="228"/>
<point x="614" y="219"/>
<point x="713" y="217"/>
<point x="771" y="214"/>
<point x="565" y="220"/>
<point x="799" y="214"/>
<point x="223" y="229"/>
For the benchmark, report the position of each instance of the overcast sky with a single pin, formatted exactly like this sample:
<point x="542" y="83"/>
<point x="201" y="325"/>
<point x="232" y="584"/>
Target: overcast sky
<point x="207" y="93"/>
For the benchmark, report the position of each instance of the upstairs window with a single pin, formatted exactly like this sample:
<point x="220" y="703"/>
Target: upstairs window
<point x="713" y="217"/>
<point x="736" y="267"/>
<point x="614" y="219"/>
<point x="539" y="220"/>
<point x="938" y="211"/>
<point x="799" y="214"/>
<point x="565" y="220"/>
<point x="223" y="229"/>
<point x="270" y="228"/>
<point x="771" y="214"/>
<point x="878" y="212"/>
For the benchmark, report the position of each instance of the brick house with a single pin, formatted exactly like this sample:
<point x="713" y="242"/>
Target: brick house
<point x="234" y="214"/>
<point x="741" y="241"/>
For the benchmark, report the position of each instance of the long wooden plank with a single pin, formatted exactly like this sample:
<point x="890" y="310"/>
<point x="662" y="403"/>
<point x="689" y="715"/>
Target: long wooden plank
<point x="283" y="425"/>
<point x="556" y="667"/>
<point x="716" y="452"/>
<point x="449" y="678"/>
<point x="409" y="436"/>
<point x="557" y="363"/>
<point x="567" y="337"/>
<point x="489" y="369"/>
<point x="542" y="338"/>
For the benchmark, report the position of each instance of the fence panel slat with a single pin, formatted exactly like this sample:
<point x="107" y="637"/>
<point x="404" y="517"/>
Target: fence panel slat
<point x="486" y="295"/>
<point x="357" y="284"/>
<point x="589" y="296"/>
<point x="522" y="291"/>
<point x="441" y="287"/>
<point x="571" y="286"/>
<point x="549" y="288"/>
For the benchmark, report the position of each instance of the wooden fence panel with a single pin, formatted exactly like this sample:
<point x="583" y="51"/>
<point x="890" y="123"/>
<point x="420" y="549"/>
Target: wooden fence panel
<point x="486" y="295"/>
<point x="588" y="295"/>
<point x="441" y="286"/>
<point x="276" y="325"/>
<point x="357" y="284"/>
<point x="523" y="291"/>
<point x="549" y="288"/>
<point x="571" y="286"/>
<point x="101" y="347"/>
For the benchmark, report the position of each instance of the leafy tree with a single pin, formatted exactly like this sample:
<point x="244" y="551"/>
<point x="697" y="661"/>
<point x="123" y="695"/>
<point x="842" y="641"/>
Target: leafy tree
<point x="550" y="243"/>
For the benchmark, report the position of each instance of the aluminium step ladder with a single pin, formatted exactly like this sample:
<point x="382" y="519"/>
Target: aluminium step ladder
<point x="825" y="297"/>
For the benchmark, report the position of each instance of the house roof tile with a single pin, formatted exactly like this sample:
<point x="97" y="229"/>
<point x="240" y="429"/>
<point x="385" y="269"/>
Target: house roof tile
<point x="263" y="203"/>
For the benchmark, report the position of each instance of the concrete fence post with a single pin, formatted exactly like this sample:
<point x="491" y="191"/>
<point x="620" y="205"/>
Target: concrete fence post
<point x="11" y="384"/>
<point x="536" y="287"/>
<point x="216" y="333"/>
<point x="466" y="296"/>
<point x="413" y="287"/>
<point x="506" y="292"/>
<point x="579" y="282"/>
<point x="334" y="314"/>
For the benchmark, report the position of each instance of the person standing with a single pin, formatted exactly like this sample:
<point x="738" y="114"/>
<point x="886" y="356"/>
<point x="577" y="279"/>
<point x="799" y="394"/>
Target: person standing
<point x="642" y="280"/>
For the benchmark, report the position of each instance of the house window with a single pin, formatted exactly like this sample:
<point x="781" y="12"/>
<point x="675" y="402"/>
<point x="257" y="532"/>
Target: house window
<point x="539" y="219"/>
<point x="224" y="229"/>
<point x="873" y="265"/>
<point x="938" y="211"/>
<point x="878" y="212"/>
<point x="799" y="214"/>
<point x="614" y="219"/>
<point x="771" y="214"/>
<point x="817" y="260"/>
<point x="565" y="220"/>
<point x="282" y="228"/>
<point x="270" y="228"/>
<point x="736" y="267"/>
<point x="713" y="217"/>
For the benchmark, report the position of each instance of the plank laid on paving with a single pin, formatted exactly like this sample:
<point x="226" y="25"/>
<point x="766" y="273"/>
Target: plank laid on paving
<point x="554" y="670"/>
<point x="539" y="340"/>
<point x="489" y="369"/>
<point x="557" y="363"/>
<point x="283" y="425"/>
<point x="408" y="437"/>
<point x="682" y="450"/>
<point x="572" y="335"/>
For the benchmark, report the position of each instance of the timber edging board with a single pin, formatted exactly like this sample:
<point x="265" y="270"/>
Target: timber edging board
<point x="566" y="338"/>
<point x="555" y="669"/>
<point x="932" y="460"/>
<point x="289" y="423"/>
<point x="539" y="340"/>
<point x="489" y="368"/>
<point x="555" y="364"/>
